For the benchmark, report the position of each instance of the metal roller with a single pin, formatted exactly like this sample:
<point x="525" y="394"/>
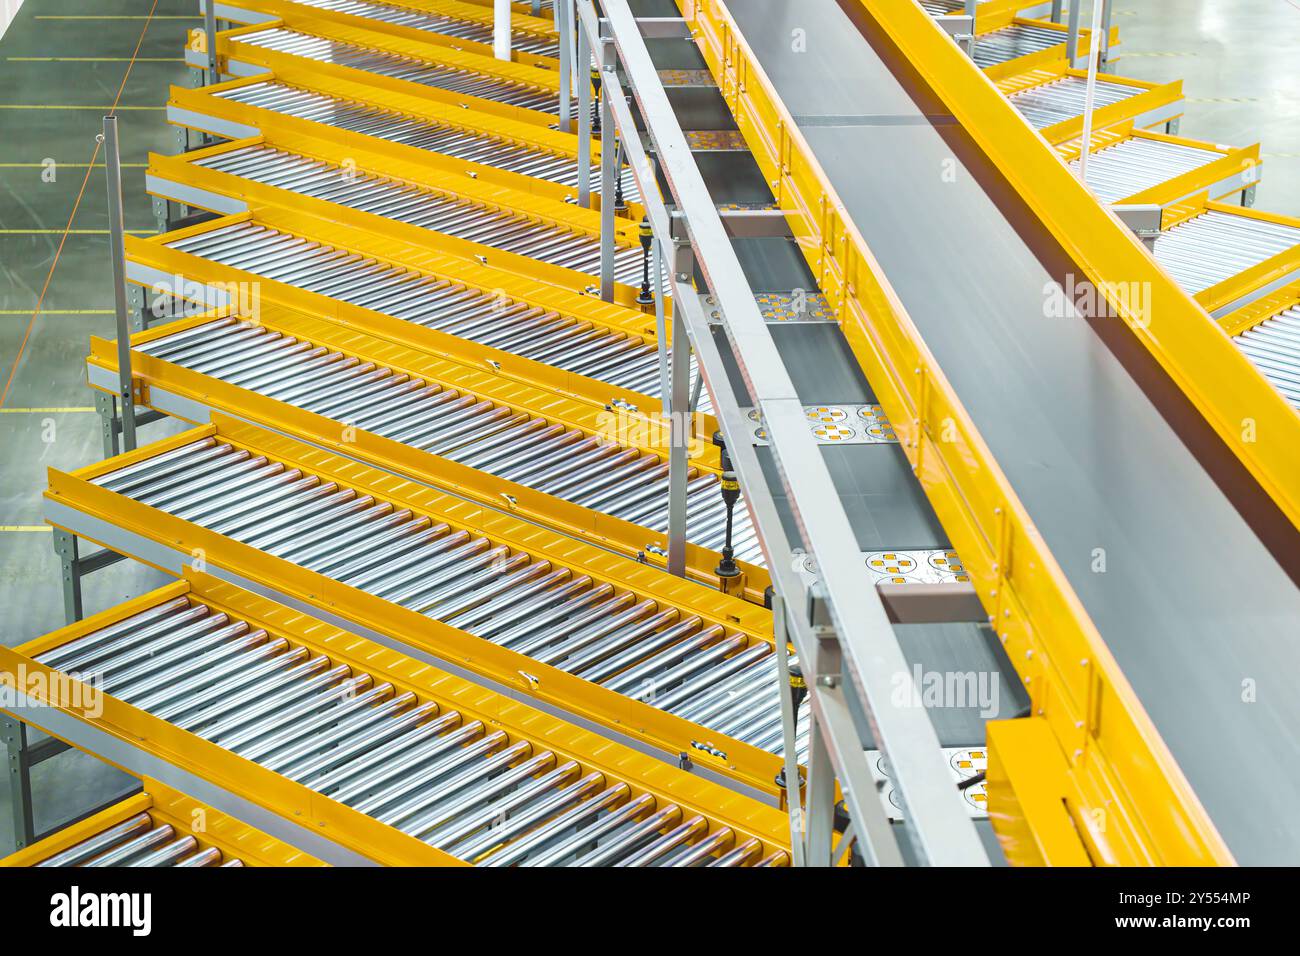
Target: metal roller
<point x="497" y="439"/>
<point x="138" y="841"/>
<point x="1018" y="39"/>
<point x="457" y="142"/>
<point x="1136" y="164"/>
<point x="1063" y="99"/>
<point x="1274" y="348"/>
<point x="1207" y="249"/>
<point x="410" y="69"/>
<point x="517" y="327"/>
<point x="434" y="23"/>
<point x="662" y="655"/>
<point x="411" y="764"/>
<point x="403" y="202"/>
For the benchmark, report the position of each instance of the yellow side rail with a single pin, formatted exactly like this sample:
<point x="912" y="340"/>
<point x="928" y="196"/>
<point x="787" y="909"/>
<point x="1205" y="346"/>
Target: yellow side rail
<point x="661" y="730"/>
<point x="1134" y="804"/>
<point x="1265" y="307"/>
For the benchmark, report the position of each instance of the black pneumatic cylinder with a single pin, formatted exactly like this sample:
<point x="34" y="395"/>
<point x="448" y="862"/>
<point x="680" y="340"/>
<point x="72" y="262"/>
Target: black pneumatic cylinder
<point x="727" y="569"/>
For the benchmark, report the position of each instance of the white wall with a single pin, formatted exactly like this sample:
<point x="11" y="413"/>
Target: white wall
<point x="8" y="9"/>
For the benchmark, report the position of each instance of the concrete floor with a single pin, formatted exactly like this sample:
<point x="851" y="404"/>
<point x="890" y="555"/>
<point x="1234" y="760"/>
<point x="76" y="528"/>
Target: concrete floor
<point x="1236" y="57"/>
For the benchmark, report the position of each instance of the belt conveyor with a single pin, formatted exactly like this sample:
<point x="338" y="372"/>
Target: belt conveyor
<point x="458" y="78"/>
<point x="1224" y="256"/>
<point x="419" y="19"/>
<point x="1140" y="167"/>
<point x="156" y="828"/>
<point x="1051" y="99"/>
<point x="212" y="670"/>
<point x="228" y="177"/>
<point x="666" y="663"/>
<point x="456" y="416"/>
<point x="479" y="145"/>
<point x="576" y="343"/>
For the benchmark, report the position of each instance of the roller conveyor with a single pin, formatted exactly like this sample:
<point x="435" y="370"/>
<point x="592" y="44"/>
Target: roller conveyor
<point x="1135" y="165"/>
<point x="414" y="749"/>
<point x="512" y="231"/>
<point x="515" y="327"/>
<point x="1273" y="347"/>
<point x="1023" y="38"/>
<point x="139" y="842"/>
<point x="479" y="148"/>
<point x="448" y="19"/>
<point x="1051" y="99"/>
<point x="1221" y="256"/>
<point x="687" y="659"/>
<point x="588" y="468"/>
<point x="1062" y="99"/>
<point x="409" y="69"/>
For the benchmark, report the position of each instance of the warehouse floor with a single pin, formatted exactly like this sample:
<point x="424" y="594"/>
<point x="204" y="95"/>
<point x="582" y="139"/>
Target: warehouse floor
<point x="63" y="63"/>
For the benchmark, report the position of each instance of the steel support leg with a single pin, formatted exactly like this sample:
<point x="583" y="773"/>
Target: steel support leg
<point x="106" y="406"/>
<point x="1072" y="34"/>
<point x="65" y="546"/>
<point x="564" y="23"/>
<point x="501" y="29"/>
<point x="210" y="35"/>
<point x="819" y="821"/>
<point x="584" y="118"/>
<point x="1107" y="10"/>
<point x="1057" y="8"/>
<point x="117" y="249"/>
<point x="789" y="729"/>
<point x="683" y="265"/>
<point x="608" y="175"/>
<point x="661" y="326"/>
<point x="20" y="780"/>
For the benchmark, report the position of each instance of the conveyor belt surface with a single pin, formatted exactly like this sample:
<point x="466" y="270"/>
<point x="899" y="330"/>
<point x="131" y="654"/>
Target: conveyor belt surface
<point x="530" y="332"/>
<point x="432" y="22"/>
<point x="1136" y="164"/>
<point x="1207" y="249"/>
<point x="1085" y="450"/>
<point x="515" y="232"/>
<point x="590" y="470"/>
<point x="668" y="657"/>
<point x="410" y="69"/>
<point x="1274" y="348"/>
<point x="139" y="842"/>
<point x="371" y="120"/>
<point x="1058" y="100"/>
<point x="482" y="792"/>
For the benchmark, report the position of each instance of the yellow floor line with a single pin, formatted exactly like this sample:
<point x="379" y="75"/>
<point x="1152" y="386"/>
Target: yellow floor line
<point x="69" y="165"/>
<point x="51" y="16"/>
<point x="59" y="311"/>
<point x="94" y="59"/>
<point x="24" y="527"/>
<point x="72" y="232"/>
<point x="54" y="106"/>
<point x="41" y="411"/>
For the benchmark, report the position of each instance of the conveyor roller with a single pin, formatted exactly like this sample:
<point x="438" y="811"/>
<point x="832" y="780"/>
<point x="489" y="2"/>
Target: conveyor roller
<point x="139" y="842"/>
<point x="1136" y="164"/>
<point x="513" y="232"/>
<point x="478" y="791"/>
<point x="371" y="120"/>
<point x="1016" y="40"/>
<point x="589" y="470"/>
<point x="1063" y="99"/>
<point x="665" y="656"/>
<point x="410" y="69"/>
<point x="530" y="332"/>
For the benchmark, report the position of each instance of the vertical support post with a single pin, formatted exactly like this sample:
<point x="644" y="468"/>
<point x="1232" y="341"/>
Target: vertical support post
<point x="537" y="8"/>
<point x="18" y="763"/>
<point x="1057" y="8"/>
<point x="210" y="35"/>
<point x="104" y="403"/>
<point x="680" y="383"/>
<point x="661" y="327"/>
<point x="65" y="546"/>
<point x="1090" y="94"/>
<point x="583" y="71"/>
<point x="501" y="29"/>
<point x="1072" y="33"/>
<point x="564" y="24"/>
<point x="789" y="728"/>
<point x="608" y="172"/>
<point x="820" y="817"/>
<point x="1107" y="7"/>
<point x="117" y="249"/>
